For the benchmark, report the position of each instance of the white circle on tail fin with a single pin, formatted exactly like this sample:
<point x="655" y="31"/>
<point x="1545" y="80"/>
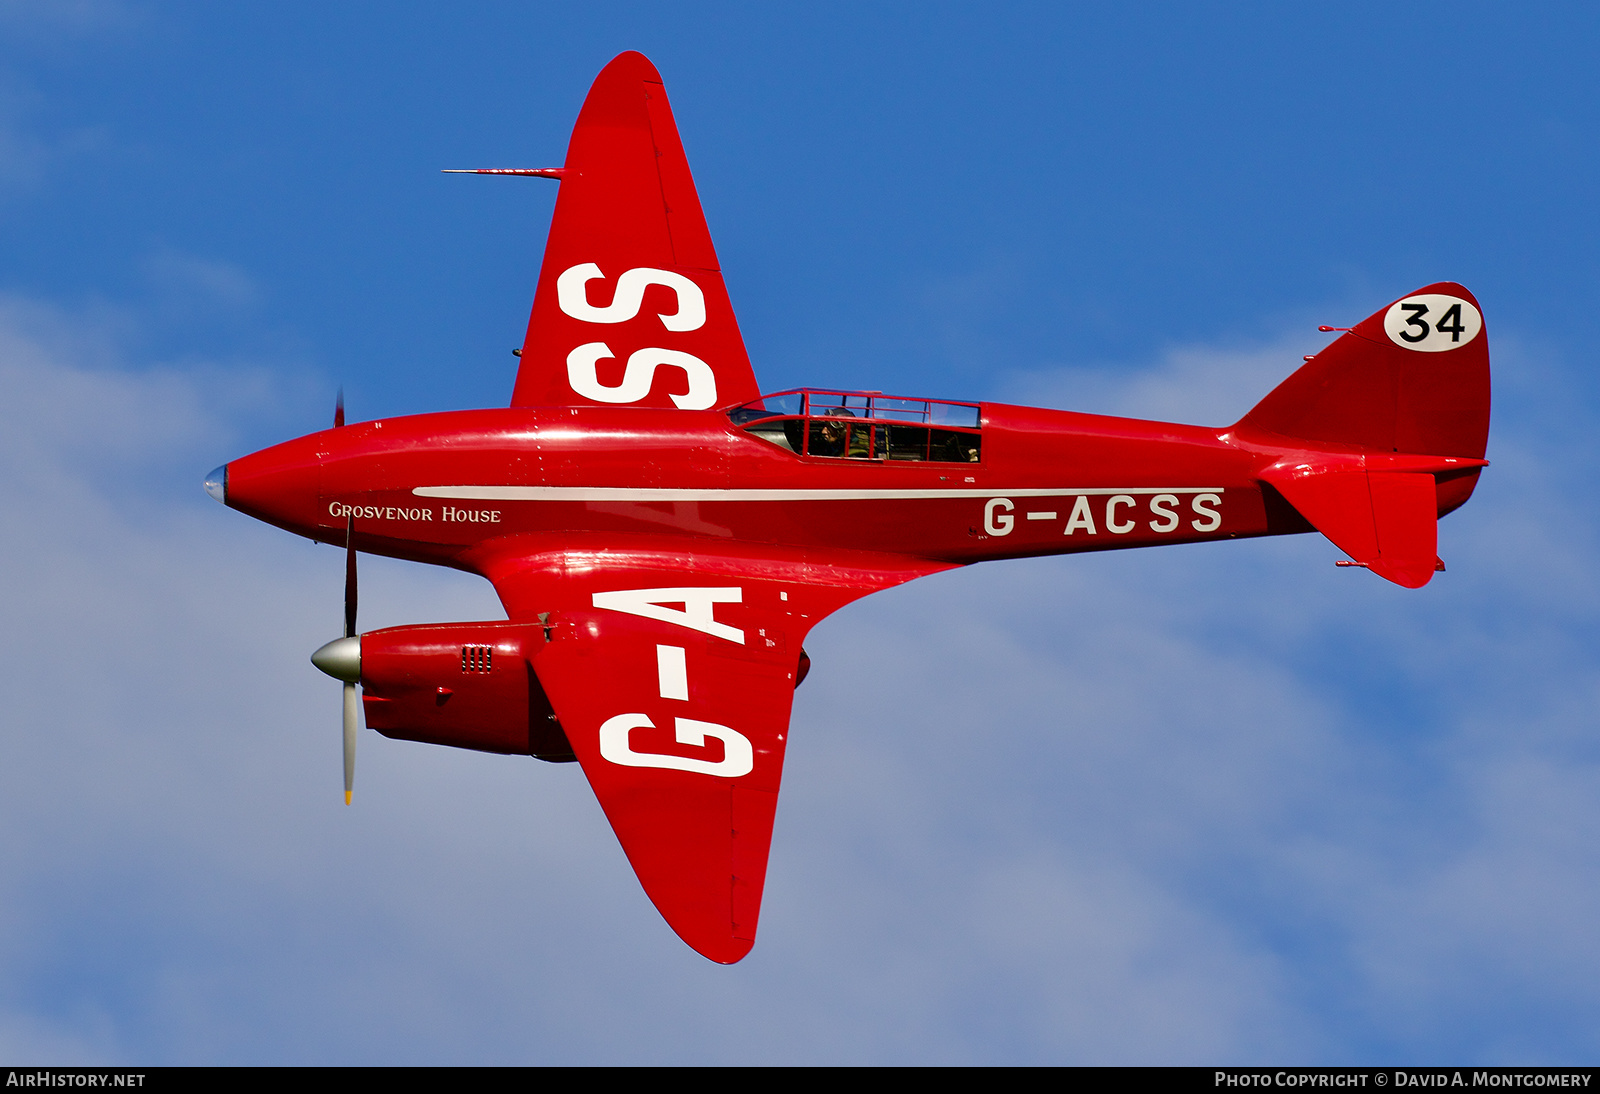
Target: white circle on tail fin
<point x="1432" y="322"/>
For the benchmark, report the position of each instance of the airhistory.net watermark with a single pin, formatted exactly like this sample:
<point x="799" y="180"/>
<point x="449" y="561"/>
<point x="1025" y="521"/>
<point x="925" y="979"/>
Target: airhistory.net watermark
<point x="50" y="1077"/>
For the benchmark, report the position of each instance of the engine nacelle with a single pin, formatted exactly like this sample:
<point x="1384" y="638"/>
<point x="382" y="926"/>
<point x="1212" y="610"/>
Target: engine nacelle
<point x="467" y="685"/>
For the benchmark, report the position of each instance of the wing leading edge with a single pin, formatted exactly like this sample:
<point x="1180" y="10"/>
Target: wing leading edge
<point x="673" y="676"/>
<point x="631" y="308"/>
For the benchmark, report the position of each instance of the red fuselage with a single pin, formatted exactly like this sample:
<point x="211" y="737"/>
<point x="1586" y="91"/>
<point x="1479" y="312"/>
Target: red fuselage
<point x="434" y="487"/>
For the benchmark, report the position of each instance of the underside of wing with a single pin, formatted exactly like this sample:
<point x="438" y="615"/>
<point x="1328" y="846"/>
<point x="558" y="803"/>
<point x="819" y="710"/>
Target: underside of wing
<point x="631" y="308"/>
<point x="672" y="675"/>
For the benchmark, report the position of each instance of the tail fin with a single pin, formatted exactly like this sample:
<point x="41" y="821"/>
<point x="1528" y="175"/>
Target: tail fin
<point x="1386" y="429"/>
<point x="1413" y="377"/>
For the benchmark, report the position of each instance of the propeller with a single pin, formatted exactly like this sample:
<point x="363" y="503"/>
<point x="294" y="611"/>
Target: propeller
<point x="341" y="659"/>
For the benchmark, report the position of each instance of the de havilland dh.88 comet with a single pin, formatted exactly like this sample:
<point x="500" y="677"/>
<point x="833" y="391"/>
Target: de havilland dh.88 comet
<point x="663" y="536"/>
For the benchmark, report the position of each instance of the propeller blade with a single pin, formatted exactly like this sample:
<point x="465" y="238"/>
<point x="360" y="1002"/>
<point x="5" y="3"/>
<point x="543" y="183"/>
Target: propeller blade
<point x="338" y="409"/>
<point x="341" y="659"/>
<point x="350" y="725"/>
<point x="350" y="711"/>
<point x="350" y="576"/>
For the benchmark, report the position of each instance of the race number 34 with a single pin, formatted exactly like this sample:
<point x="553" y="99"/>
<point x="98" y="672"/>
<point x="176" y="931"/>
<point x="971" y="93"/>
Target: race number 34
<point x="1432" y="322"/>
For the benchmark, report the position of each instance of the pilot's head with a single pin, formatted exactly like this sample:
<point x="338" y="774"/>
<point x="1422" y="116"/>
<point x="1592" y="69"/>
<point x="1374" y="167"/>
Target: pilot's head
<point x="834" y="431"/>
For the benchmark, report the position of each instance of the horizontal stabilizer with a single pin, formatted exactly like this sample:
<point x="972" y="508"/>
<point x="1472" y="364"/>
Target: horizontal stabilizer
<point x="1382" y="511"/>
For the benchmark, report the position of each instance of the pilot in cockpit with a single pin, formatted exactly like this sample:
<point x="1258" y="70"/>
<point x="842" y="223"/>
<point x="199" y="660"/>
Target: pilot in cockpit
<point x="832" y="438"/>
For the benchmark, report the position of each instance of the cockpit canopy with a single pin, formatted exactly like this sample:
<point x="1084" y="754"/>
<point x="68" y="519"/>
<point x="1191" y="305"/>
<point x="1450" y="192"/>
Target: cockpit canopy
<point x="864" y="425"/>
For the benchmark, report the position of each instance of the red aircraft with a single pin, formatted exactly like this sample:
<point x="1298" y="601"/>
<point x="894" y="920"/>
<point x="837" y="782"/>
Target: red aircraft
<point x="663" y="536"/>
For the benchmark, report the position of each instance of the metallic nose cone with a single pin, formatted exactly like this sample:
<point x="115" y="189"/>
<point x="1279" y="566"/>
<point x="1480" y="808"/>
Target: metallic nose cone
<point x="217" y="484"/>
<point x="340" y="659"/>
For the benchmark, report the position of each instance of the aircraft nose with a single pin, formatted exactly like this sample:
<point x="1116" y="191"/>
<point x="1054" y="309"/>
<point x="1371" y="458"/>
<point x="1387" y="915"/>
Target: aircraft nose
<point x="278" y="485"/>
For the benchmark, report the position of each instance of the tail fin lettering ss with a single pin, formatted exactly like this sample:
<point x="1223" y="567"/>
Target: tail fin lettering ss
<point x="630" y="264"/>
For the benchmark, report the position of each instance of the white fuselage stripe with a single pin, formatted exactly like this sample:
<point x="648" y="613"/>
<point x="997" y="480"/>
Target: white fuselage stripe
<point x="647" y="494"/>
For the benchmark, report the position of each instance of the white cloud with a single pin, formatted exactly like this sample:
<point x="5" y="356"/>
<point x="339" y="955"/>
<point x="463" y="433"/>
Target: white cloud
<point x="188" y="284"/>
<point x="1195" y="385"/>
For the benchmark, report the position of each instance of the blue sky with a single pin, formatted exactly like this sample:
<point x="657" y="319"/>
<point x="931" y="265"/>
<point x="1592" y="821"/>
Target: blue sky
<point x="1210" y="804"/>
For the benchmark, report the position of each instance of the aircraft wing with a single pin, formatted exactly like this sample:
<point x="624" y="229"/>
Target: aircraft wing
<point x="630" y="307"/>
<point x="672" y="674"/>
